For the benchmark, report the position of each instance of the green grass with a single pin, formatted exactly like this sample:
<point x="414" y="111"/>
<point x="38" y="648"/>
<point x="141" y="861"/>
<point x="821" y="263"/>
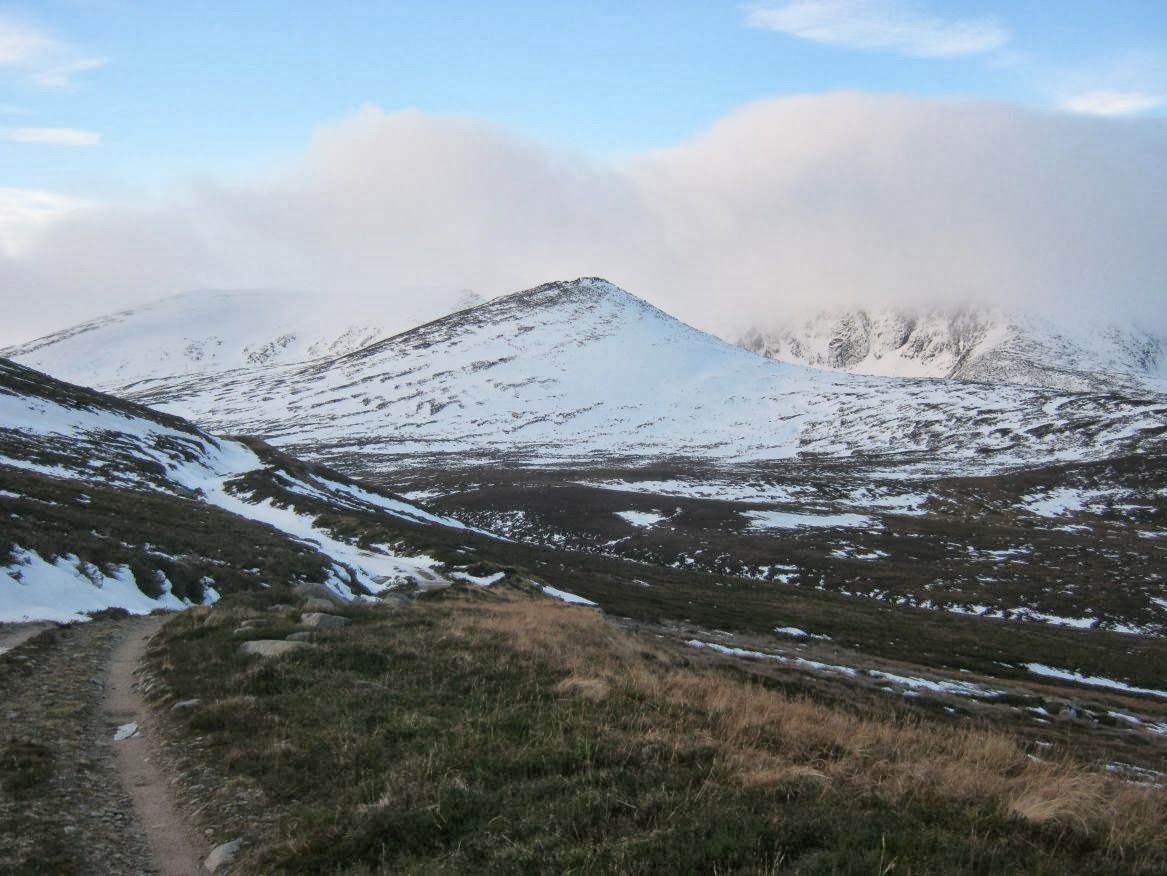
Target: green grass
<point x="420" y="741"/>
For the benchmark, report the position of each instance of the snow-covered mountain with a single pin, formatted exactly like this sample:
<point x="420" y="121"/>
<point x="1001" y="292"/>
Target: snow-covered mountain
<point x="582" y="369"/>
<point x="106" y="503"/>
<point x="971" y="344"/>
<point x="209" y="330"/>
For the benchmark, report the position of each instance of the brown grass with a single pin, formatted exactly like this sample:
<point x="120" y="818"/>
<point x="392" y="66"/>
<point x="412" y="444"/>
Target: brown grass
<point x="593" y="689"/>
<point x="772" y="738"/>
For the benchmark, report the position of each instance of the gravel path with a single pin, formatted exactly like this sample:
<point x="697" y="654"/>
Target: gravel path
<point x="64" y="803"/>
<point x="174" y="850"/>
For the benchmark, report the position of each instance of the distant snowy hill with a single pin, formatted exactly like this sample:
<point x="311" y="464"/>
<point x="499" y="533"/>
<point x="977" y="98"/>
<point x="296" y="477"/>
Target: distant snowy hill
<point x="971" y="344"/>
<point x="108" y="504"/>
<point x="206" y="331"/>
<point x="583" y="370"/>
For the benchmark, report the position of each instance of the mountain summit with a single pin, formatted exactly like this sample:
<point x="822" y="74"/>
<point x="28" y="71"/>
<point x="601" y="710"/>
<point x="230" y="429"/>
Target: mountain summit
<point x="584" y="370"/>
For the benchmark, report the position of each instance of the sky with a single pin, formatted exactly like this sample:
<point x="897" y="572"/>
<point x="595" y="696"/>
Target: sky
<point x="728" y="161"/>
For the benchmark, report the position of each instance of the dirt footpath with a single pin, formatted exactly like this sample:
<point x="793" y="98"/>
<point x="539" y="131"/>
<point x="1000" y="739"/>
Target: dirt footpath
<point x="174" y="850"/>
<point x="72" y="800"/>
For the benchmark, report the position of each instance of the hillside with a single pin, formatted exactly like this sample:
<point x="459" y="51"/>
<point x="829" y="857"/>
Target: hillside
<point x="213" y="330"/>
<point x="584" y="370"/>
<point x="971" y="344"/>
<point x="108" y="504"/>
<point x="491" y="731"/>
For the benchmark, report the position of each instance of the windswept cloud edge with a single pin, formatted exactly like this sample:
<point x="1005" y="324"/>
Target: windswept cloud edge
<point x="885" y="25"/>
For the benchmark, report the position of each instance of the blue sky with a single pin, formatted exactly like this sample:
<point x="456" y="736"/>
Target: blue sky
<point x="152" y="93"/>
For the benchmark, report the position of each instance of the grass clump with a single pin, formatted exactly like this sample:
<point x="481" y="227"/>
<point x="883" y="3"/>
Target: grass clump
<point x="24" y="764"/>
<point x="495" y="732"/>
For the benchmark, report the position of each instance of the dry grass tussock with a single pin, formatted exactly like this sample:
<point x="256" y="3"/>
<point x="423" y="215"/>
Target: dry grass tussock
<point x="772" y="738"/>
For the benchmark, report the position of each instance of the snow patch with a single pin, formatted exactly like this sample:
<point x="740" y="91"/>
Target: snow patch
<point x="910" y="683"/>
<point x="720" y="490"/>
<point x="1091" y="680"/>
<point x="792" y="520"/>
<point x="66" y="589"/>
<point x="641" y="519"/>
<point x="564" y="596"/>
<point x="479" y="581"/>
<point x="799" y="634"/>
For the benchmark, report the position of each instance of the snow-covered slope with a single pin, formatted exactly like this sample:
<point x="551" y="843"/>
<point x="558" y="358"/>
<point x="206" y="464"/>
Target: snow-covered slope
<point x="584" y="369"/>
<point x="971" y="344"/>
<point x="60" y="443"/>
<point x="206" y="330"/>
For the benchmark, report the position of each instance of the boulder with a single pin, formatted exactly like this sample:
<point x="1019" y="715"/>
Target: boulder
<point x="303" y="636"/>
<point x="221" y="856"/>
<point x="320" y="620"/>
<point x="272" y="647"/>
<point x="315" y="604"/>
<point x="317" y="591"/>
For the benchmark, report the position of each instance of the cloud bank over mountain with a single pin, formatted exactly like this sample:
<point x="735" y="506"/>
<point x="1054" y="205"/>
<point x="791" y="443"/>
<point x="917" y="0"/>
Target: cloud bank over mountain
<point x="784" y="205"/>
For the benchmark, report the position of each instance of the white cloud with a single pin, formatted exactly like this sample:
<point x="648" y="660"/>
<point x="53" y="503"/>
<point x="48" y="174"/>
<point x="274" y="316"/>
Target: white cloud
<point x="61" y="74"/>
<point x="51" y="136"/>
<point x="890" y="25"/>
<point x="1102" y="102"/>
<point x="784" y="204"/>
<point x="41" y="57"/>
<point x="22" y="44"/>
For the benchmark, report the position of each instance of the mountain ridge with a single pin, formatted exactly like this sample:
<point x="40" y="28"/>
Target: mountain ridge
<point x="969" y="343"/>
<point x="585" y="370"/>
<point x="211" y="330"/>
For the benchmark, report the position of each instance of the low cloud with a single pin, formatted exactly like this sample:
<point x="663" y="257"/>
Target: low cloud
<point x="41" y="57"/>
<point x="25" y="213"/>
<point x="783" y="206"/>
<point x="1101" y="102"/>
<point x="888" y="25"/>
<point x="50" y="136"/>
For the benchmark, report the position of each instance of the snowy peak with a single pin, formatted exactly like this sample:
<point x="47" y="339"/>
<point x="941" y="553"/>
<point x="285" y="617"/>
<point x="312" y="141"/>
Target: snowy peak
<point x="577" y="308"/>
<point x="584" y="293"/>
<point x="584" y="370"/>
<point x="208" y="331"/>
<point x="970" y="344"/>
